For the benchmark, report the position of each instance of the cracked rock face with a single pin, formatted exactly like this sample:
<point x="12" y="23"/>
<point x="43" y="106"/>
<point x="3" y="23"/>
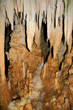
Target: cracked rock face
<point x="36" y="54"/>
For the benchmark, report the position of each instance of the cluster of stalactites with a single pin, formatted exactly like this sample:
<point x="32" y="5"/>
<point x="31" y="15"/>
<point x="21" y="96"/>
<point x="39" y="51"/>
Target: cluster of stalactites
<point x="35" y="11"/>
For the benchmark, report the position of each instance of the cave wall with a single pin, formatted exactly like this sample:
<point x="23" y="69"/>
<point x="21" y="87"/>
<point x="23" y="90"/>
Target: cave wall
<point x="36" y="53"/>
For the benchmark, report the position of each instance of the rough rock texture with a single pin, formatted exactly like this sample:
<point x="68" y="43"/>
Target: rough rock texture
<point x="38" y="55"/>
<point x="39" y="85"/>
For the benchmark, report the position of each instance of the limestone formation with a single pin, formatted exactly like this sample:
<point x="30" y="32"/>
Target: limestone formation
<point x="36" y="54"/>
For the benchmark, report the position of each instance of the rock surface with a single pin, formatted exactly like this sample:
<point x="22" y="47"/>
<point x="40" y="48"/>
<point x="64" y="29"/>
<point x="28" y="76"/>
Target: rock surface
<point x="38" y="55"/>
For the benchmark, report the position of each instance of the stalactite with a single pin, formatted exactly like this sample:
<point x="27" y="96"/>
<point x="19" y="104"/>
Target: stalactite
<point x="15" y="6"/>
<point x="62" y="11"/>
<point x="69" y="26"/>
<point x="42" y="11"/>
<point x="30" y="23"/>
<point x="22" y="5"/>
<point x="65" y="26"/>
<point x="37" y="36"/>
<point x="53" y="6"/>
<point x="58" y="12"/>
<point x="53" y="9"/>
<point x="48" y="19"/>
<point x="68" y="19"/>
<point x="6" y="21"/>
<point x="37" y="8"/>
<point x="40" y="15"/>
<point x="19" y="5"/>
<point x="25" y="7"/>
<point x="10" y="11"/>
<point x="55" y="39"/>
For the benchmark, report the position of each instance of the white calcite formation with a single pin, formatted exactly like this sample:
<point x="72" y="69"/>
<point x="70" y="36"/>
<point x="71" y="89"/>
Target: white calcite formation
<point x="59" y="12"/>
<point x="9" y="5"/>
<point x="68" y="19"/>
<point x="33" y="12"/>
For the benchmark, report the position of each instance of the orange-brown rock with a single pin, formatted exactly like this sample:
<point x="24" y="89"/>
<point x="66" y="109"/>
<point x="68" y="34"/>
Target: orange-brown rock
<point x="4" y="94"/>
<point x="49" y="81"/>
<point x="22" y="108"/>
<point x="60" y="100"/>
<point x="28" y="107"/>
<point x="66" y="105"/>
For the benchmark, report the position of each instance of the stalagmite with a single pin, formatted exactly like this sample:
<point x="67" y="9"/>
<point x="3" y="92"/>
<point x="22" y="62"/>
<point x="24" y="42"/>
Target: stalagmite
<point x="70" y="44"/>
<point x="44" y="74"/>
<point x="57" y="86"/>
<point x="10" y="11"/>
<point x="24" y="70"/>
